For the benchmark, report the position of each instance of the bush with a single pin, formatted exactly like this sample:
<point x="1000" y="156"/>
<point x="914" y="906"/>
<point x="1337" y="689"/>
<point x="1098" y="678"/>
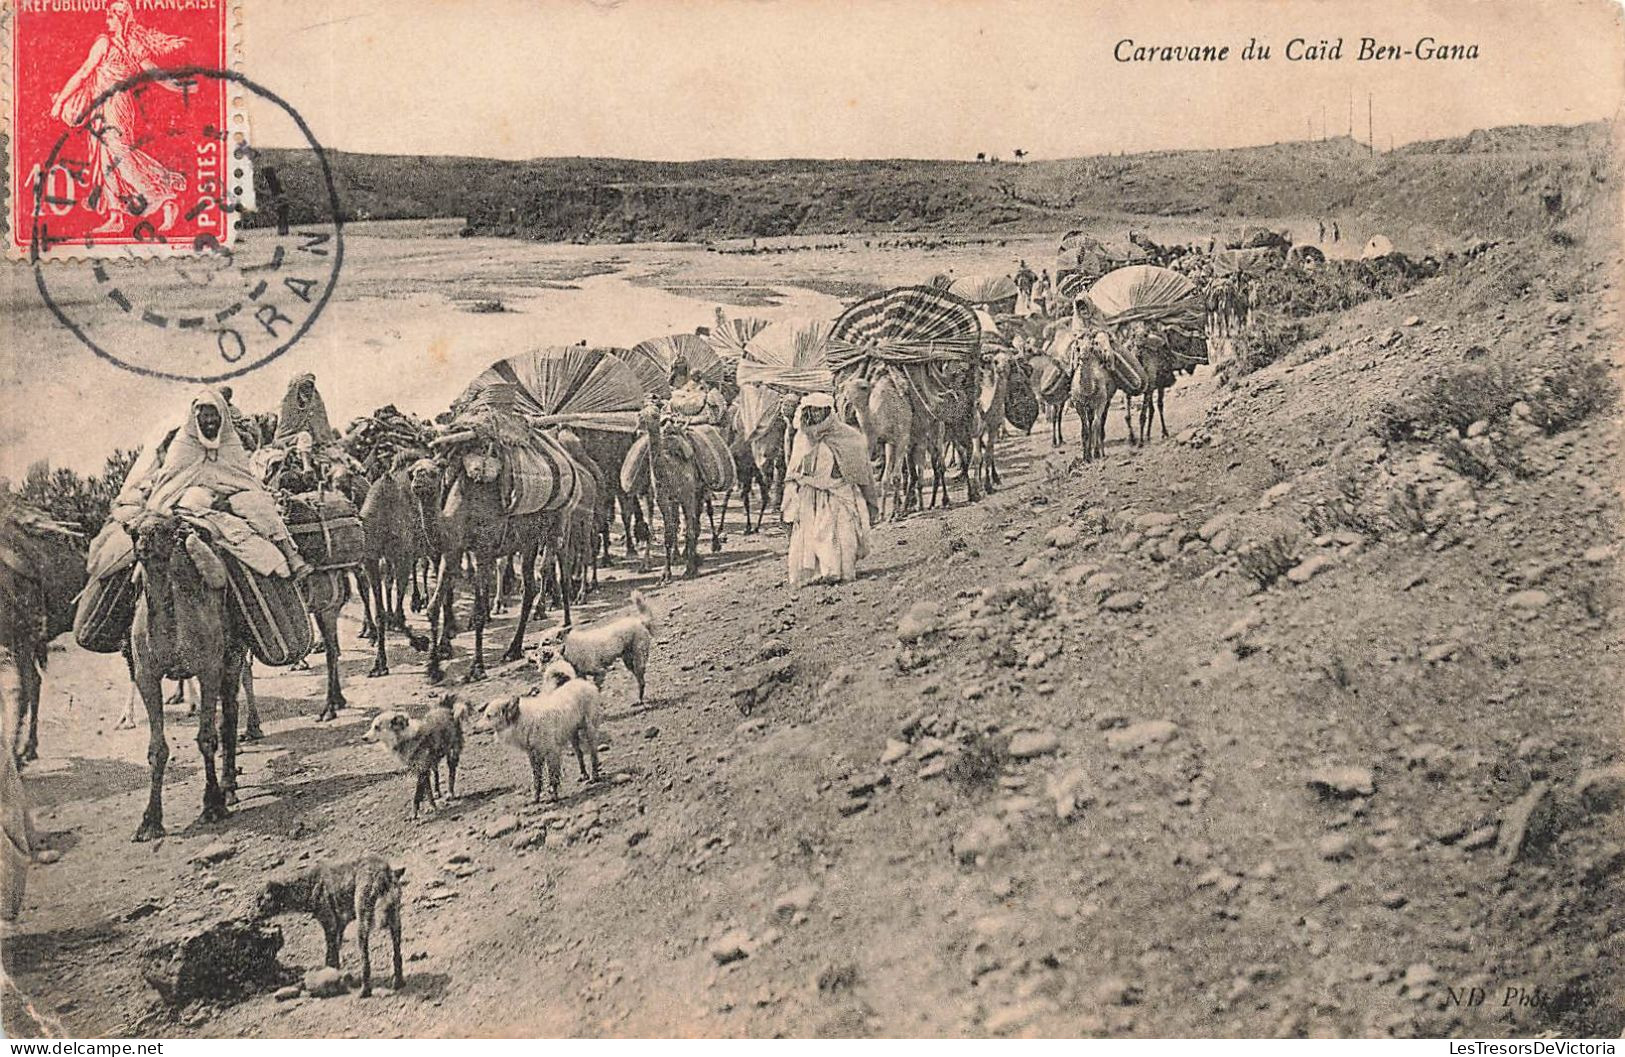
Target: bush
<point x="1579" y="387"/>
<point x="1457" y="455"/>
<point x="1453" y="400"/>
<point x="979" y="764"/>
<point x="1268" y="561"/>
<point x="1266" y="340"/>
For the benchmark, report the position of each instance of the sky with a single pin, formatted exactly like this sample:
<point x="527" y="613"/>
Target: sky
<point x="686" y="79"/>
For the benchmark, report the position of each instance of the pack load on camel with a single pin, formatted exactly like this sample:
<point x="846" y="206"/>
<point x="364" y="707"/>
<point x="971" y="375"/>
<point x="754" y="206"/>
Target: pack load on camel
<point x="782" y="363"/>
<point x="199" y="473"/>
<point x="1012" y="336"/>
<point x="1166" y="302"/>
<point x="378" y="440"/>
<point x="1083" y="258"/>
<point x="492" y="441"/>
<point x="1256" y="237"/>
<point x="730" y="335"/>
<point x="685" y="372"/>
<point x="996" y="293"/>
<point x="924" y="344"/>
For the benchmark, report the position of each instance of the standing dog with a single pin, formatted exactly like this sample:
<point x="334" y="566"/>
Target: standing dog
<point x="337" y="894"/>
<point x="592" y="652"/>
<point x="568" y="709"/>
<point x="420" y="744"/>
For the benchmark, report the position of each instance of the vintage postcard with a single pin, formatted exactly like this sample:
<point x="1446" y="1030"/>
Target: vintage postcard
<point x="785" y="518"/>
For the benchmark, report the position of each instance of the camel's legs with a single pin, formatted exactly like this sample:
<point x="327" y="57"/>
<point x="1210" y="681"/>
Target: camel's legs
<point x="208" y="740"/>
<point x="230" y="678"/>
<point x="28" y="658"/>
<point x="251" y="731"/>
<point x="1162" y="414"/>
<point x="691" y="536"/>
<point x="484" y="577"/>
<point x="151" y="688"/>
<point x="565" y="562"/>
<point x="527" y="573"/>
<point x="371" y="625"/>
<point x="439" y="607"/>
<point x="373" y="583"/>
<point x="329" y="621"/>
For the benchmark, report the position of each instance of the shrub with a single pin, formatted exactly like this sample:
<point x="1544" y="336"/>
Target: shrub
<point x="1464" y="460"/>
<point x="1264" y="341"/>
<point x="979" y="764"/>
<point x="1268" y="561"/>
<point x="1577" y="388"/>
<point x="1451" y="401"/>
<point x="1408" y="511"/>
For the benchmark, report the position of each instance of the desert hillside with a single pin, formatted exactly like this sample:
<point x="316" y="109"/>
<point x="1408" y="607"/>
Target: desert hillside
<point x="1492" y="184"/>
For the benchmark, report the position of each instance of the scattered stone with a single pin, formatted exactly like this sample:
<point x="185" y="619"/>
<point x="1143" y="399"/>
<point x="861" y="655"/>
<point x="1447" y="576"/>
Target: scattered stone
<point x="1011" y="1017"/>
<point x="47" y="856"/>
<point x="1030" y="743"/>
<point x="292" y="991"/>
<point x="732" y="946"/>
<point x="1213" y="526"/>
<point x="1413" y="321"/>
<point x="984" y="838"/>
<point x="929" y="747"/>
<point x="1222" y="542"/>
<point x="1530" y="600"/>
<point x="501" y="826"/>
<point x="1394" y="900"/>
<point x="1122" y="602"/>
<point x="1440" y="652"/>
<point x="1528" y="824"/>
<point x="1116" y="991"/>
<point x="1062" y="537"/>
<point x="919" y="621"/>
<point x="1335" y="847"/>
<point x="853" y="807"/>
<point x="795" y="901"/>
<point x="1309" y="568"/>
<point x="1601" y="788"/>
<point x="1419" y="976"/>
<point x="1142" y="735"/>
<point x="1274" y="492"/>
<point x="223" y="962"/>
<point x="1597" y="555"/>
<point x="934" y="768"/>
<point x="324" y="983"/>
<point x="216" y="852"/>
<point x="1326" y="889"/>
<point x="1100" y="584"/>
<point x="1070" y="792"/>
<point x="895" y="750"/>
<point x="1342" y="783"/>
<point x="1241" y="626"/>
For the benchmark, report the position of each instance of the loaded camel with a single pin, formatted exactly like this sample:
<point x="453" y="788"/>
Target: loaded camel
<point x="675" y="487"/>
<point x="886" y="417"/>
<point x="397" y="537"/>
<point x="184" y="628"/>
<point x="991" y="415"/>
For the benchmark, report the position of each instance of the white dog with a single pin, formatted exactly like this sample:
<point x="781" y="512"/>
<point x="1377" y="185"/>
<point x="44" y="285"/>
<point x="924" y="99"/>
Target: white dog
<point x="592" y="652"/>
<point x="567" y="710"/>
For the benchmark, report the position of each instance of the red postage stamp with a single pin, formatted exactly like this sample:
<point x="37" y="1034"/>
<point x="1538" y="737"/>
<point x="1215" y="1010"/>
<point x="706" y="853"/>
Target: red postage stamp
<point x="120" y="135"/>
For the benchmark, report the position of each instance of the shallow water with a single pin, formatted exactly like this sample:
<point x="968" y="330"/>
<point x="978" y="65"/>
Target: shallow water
<point x="401" y="327"/>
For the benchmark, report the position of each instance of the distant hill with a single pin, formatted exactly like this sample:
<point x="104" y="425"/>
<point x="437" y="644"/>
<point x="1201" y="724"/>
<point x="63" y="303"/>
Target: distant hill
<point x="1492" y="183"/>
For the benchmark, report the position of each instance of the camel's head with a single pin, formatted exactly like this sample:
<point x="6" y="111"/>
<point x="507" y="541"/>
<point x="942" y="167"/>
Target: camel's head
<point x="649" y="417"/>
<point x="424" y="478"/>
<point x="156" y="537"/>
<point x="1001" y="364"/>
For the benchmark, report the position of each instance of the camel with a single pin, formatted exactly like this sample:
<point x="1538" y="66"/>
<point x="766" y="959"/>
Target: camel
<point x="1160" y="368"/>
<point x="1090" y="392"/>
<point x="472" y="521"/>
<point x="957" y="430"/>
<point x="676" y="490"/>
<point x="184" y="627"/>
<point x="758" y="462"/>
<point x="886" y="416"/>
<point x="41" y="571"/>
<point x="991" y="420"/>
<point x="608" y="451"/>
<point x="396" y="538"/>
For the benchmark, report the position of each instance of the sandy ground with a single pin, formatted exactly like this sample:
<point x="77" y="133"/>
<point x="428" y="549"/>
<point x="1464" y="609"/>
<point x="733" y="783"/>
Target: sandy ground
<point x="1081" y="801"/>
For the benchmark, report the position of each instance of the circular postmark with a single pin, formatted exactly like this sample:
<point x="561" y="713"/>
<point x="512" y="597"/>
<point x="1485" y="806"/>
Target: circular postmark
<point x="197" y="309"/>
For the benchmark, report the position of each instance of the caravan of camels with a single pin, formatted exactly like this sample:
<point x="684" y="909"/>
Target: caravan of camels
<point x="238" y="538"/>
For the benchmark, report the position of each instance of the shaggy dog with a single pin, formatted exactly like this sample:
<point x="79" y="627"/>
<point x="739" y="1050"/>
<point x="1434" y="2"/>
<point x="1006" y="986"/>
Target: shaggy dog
<point x="337" y="894"/>
<point x="594" y="651"/>
<point x="567" y="710"/>
<point x="420" y="744"/>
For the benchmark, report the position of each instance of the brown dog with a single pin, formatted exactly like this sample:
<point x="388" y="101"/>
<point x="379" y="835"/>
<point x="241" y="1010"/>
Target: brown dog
<point x="337" y="894"/>
<point x="420" y="744"/>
